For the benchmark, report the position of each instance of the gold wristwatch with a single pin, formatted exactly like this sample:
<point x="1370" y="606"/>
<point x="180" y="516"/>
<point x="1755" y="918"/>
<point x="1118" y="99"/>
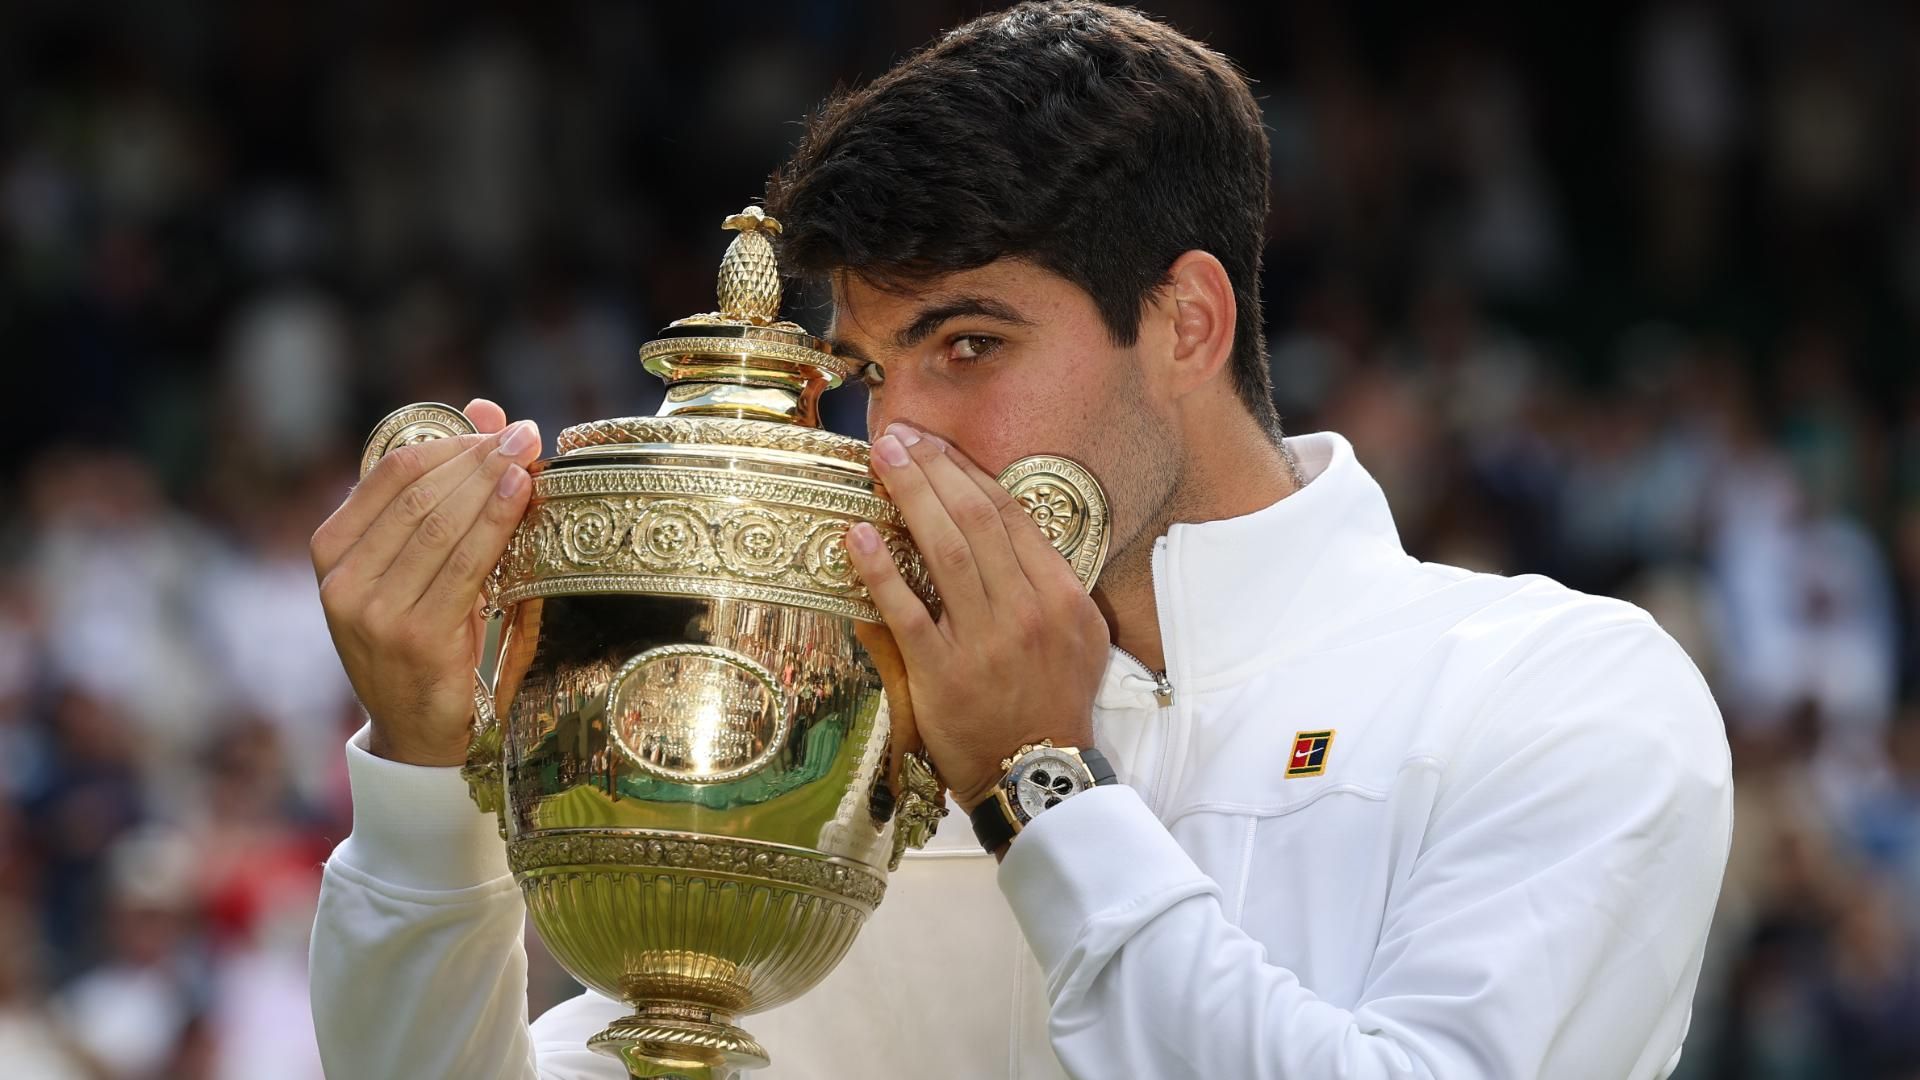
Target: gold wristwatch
<point x="1038" y="776"/>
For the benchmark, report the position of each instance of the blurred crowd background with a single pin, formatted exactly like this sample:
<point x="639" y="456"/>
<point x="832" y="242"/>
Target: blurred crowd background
<point x="1624" y="293"/>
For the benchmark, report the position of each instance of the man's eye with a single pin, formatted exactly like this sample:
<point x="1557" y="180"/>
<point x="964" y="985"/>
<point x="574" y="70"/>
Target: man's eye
<point x="971" y="347"/>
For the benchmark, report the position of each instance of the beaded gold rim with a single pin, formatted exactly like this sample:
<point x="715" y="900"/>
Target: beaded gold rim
<point x="658" y="355"/>
<point x="686" y="431"/>
<point x="826" y="876"/>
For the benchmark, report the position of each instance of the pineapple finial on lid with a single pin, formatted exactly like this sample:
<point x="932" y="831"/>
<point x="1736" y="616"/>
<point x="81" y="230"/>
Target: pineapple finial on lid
<point x="749" y="275"/>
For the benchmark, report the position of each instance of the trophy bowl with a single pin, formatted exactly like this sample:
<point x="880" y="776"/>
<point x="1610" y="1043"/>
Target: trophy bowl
<point x="686" y="745"/>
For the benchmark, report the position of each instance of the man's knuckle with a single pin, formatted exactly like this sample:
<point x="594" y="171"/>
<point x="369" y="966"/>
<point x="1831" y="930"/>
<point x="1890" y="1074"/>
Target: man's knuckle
<point x="377" y="618"/>
<point x="914" y="624"/>
<point x="1029" y="623"/>
<point x="462" y="562"/>
<point x="409" y="463"/>
<point x="322" y="548"/>
<point x="976" y="513"/>
<point x="418" y="501"/>
<point x="436" y="528"/>
<point x="336" y="591"/>
<point x="953" y="553"/>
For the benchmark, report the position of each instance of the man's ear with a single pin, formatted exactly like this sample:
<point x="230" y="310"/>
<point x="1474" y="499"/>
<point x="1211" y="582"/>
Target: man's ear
<point x="1204" y="313"/>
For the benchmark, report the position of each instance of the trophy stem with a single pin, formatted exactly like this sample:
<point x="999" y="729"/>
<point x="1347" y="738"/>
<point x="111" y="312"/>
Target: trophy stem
<point x="677" y="1042"/>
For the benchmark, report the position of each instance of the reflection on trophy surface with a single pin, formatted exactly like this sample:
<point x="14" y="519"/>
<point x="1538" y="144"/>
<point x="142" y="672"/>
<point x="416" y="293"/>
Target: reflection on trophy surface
<point x="686" y="744"/>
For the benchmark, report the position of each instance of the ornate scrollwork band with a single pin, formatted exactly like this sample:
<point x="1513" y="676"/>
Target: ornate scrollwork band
<point x="850" y="882"/>
<point x="707" y="531"/>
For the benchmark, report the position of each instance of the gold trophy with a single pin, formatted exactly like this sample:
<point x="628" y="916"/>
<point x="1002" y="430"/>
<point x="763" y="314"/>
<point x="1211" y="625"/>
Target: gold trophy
<point x="686" y="745"/>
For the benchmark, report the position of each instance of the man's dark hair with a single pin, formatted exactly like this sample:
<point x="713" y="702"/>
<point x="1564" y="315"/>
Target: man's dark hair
<point x="1092" y="140"/>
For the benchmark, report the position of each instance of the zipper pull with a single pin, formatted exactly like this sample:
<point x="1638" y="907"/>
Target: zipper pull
<point x="1162" y="689"/>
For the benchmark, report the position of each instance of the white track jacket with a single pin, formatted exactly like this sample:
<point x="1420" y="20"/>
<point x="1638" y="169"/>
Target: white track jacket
<point x="1504" y="871"/>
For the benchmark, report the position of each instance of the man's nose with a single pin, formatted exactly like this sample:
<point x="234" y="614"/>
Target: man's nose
<point x="882" y="414"/>
<point x="877" y="423"/>
<point x="905" y="400"/>
<point x="878" y="420"/>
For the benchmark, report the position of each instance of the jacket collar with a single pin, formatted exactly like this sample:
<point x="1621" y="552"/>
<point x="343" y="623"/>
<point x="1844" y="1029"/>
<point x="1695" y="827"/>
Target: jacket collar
<point x="1239" y="593"/>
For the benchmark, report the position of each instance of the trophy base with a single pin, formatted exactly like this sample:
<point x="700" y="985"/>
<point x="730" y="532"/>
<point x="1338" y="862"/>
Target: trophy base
<point x="673" y="1042"/>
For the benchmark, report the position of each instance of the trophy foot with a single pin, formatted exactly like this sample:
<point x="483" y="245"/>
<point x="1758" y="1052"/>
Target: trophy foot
<point x="674" y="1042"/>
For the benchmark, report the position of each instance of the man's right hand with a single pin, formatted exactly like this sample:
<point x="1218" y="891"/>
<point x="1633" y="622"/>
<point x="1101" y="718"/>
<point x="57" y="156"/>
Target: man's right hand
<point x="400" y="566"/>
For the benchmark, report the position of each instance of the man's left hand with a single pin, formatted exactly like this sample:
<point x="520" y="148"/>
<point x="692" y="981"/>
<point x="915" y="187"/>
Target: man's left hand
<point x="1017" y="652"/>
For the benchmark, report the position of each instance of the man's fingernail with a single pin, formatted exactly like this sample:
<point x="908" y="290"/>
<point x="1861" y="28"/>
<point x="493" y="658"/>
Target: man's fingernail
<point x="512" y="482"/>
<point x="890" y="449"/>
<point x="863" y="538"/>
<point x="939" y="443"/>
<point x="904" y="433"/>
<point x="521" y="436"/>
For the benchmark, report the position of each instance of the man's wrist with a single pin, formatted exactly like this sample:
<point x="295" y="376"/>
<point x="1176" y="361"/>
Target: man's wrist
<point x="970" y="800"/>
<point x="380" y="745"/>
<point x="969" y="797"/>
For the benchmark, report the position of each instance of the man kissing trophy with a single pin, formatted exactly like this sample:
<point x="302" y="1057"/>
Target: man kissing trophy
<point x="1275" y="800"/>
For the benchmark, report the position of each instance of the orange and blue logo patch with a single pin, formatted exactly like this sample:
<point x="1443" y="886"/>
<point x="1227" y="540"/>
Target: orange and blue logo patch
<point x="1310" y="750"/>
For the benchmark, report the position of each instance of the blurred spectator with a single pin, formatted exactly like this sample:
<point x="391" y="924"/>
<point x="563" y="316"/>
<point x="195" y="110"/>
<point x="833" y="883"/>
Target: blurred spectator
<point x="32" y="1043"/>
<point x="131" y="1011"/>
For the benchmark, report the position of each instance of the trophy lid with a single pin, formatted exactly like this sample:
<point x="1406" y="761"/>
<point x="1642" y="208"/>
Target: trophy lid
<point x="744" y="362"/>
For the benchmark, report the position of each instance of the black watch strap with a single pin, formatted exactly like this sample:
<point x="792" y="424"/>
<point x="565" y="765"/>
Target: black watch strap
<point x="993" y="822"/>
<point x="1100" y="767"/>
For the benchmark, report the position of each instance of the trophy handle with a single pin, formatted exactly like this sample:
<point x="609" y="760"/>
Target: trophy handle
<point x="922" y="803"/>
<point x="425" y="422"/>
<point x="1068" y="505"/>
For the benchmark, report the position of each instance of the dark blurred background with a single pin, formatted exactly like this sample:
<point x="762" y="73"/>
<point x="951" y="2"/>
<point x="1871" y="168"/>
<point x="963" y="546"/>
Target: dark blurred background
<point x="1626" y="293"/>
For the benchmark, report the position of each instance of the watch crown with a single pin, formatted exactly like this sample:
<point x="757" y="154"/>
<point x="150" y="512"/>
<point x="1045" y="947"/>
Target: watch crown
<point x="1006" y="763"/>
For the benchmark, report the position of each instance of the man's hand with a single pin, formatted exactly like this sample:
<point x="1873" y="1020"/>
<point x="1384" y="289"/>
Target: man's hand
<point x="1017" y="652"/>
<point x="400" y="566"/>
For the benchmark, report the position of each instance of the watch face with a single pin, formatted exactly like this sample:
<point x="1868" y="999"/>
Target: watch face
<point x="1042" y="778"/>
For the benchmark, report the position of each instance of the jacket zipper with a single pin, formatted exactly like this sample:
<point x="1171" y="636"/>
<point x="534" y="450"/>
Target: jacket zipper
<point x="1162" y="692"/>
<point x="1162" y="686"/>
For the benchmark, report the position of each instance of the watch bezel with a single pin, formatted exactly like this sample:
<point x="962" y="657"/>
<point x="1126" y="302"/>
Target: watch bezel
<point x="1007" y="790"/>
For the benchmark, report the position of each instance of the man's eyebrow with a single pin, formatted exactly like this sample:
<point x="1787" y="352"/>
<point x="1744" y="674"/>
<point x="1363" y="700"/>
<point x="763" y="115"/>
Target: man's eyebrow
<point x="847" y="349"/>
<point x="932" y="316"/>
<point x="930" y="319"/>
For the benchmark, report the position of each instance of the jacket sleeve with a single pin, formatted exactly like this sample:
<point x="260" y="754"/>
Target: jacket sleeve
<point x="1550" y="926"/>
<point x="417" y="965"/>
